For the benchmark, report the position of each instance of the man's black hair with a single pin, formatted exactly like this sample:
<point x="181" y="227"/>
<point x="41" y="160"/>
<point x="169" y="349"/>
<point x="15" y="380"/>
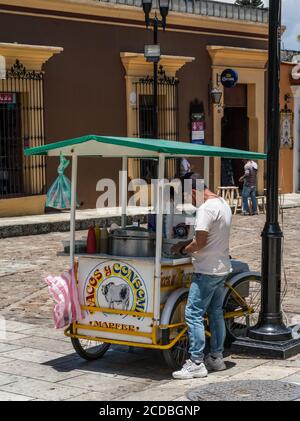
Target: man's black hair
<point x="194" y="177"/>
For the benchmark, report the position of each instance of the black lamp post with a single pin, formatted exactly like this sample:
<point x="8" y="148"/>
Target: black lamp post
<point x="156" y="23"/>
<point x="270" y="336"/>
<point x="271" y="326"/>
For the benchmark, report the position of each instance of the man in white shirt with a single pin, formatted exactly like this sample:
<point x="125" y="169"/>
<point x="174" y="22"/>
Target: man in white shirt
<point x="210" y="255"/>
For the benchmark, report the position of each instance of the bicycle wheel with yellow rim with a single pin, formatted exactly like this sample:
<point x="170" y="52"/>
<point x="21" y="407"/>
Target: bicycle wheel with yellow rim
<point x="241" y="306"/>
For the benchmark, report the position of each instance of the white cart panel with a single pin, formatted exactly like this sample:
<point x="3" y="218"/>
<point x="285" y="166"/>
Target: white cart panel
<point x="117" y="284"/>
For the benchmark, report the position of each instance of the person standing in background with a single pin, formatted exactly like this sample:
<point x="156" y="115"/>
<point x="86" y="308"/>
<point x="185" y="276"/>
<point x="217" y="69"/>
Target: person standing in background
<point x="249" y="188"/>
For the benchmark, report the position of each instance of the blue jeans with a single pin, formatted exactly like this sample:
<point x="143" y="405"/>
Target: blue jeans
<point x="205" y="296"/>
<point x="249" y="191"/>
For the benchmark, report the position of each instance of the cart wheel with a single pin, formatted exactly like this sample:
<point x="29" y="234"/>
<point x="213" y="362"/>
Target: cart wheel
<point x="245" y="296"/>
<point x="88" y="349"/>
<point x="178" y="354"/>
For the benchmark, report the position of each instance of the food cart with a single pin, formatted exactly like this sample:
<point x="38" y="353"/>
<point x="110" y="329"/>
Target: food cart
<point x="140" y="301"/>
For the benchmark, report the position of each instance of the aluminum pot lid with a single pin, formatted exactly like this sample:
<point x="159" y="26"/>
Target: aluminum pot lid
<point x="132" y="232"/>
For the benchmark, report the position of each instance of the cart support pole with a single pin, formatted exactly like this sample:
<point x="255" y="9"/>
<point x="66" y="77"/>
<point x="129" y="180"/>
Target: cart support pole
<point x="73" y="209"/>
<point x="206" y="170"/>
<point x="159" y="233"/>
<point x="124" y="190"/>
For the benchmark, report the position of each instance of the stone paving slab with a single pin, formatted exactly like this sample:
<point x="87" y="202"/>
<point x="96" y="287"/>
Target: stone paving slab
<point x="7" y="379"/>
<point x="46" y="332"/>
<point x="181" y="399"/>
<point x="265" y="372"/>
<point x="4" y="360"/>
<point x="239" y="366"/>
<point x="292" y="362"/>
<point x="120" y="365"/>
<point x="47" y="344"/>
<point x="91" y="396"/>
<point x="11" y="337"/>
<point x="17" y="326"/>
<point x="107" y="385"/>
<point x="7" y="397"/>
<point x="32" y="355"/>
<point x="5" y="348"/>
<point x="36" y="371"/>
<point x="134" y="372"/>
<point x="41" y="389"/>
<point x="173" y="389"/>
<point x="294" y="378"/>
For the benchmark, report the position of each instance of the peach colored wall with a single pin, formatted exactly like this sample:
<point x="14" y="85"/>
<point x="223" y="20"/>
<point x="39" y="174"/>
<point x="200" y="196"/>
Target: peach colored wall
<point x="286" y="155"/>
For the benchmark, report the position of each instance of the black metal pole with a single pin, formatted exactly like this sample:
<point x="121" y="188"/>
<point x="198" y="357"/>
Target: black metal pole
<point x="270" y="326"/>
<point x="155" y="81"/>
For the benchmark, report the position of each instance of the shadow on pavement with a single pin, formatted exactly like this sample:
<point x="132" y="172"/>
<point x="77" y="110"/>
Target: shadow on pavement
<point x="121" y="361"/>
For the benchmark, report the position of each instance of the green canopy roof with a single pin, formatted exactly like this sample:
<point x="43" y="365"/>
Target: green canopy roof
<point x="111" y="146"/>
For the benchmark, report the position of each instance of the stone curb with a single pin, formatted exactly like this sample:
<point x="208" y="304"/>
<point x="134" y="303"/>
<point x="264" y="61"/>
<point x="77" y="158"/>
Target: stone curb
<point x="61" y="226"/>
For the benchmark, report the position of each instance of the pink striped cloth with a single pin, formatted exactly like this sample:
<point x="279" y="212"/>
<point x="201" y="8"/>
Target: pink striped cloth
<point x="63" y="290"/>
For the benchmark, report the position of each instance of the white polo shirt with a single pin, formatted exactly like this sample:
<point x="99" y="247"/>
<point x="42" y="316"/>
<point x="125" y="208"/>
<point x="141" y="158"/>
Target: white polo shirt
<point x="214" y="216"/>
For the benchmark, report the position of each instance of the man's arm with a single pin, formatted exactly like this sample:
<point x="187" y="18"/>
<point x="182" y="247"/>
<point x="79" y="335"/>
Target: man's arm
<point x="198" y="243"/>
<point x="246" y="174"/>
<point x="190" y="246"/>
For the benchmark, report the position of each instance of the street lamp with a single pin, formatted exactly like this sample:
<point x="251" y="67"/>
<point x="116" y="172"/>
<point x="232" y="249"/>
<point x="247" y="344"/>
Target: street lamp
<point x="270" y="336"/>
<point x="147" y="6"/>
<point x="216" y="96"/>
<point x="164" y="10"/>
<point x="156" y="23"/>
<point x="215" y="93"/>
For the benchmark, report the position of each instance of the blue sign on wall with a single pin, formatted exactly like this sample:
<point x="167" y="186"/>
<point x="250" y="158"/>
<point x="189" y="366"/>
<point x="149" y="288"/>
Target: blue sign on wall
<point x="229" y="78"/>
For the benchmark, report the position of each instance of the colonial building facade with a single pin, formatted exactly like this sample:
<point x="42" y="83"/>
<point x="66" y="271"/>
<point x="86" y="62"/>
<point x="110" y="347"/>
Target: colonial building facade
<point x="289" y="176"/>
<point x="76" y="67"/>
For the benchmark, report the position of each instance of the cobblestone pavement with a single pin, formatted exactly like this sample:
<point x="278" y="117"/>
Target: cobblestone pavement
<point x="25" y="261"/>
<point x="38" y="363"/>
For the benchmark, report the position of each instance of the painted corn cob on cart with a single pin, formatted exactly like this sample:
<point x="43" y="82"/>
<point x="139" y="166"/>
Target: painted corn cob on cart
<point x="140" y="301"/>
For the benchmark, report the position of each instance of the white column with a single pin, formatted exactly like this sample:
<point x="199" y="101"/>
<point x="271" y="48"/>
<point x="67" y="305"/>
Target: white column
<point x="73" y="209"/>
<point x="296" y="163"/>
<point x="159" y="233"/>
<point x="123" y="186"/>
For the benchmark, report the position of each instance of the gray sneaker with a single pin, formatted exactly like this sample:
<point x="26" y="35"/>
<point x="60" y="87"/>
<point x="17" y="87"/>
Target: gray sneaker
<point x="190" y="370"/>
<point x="214" y="363"/>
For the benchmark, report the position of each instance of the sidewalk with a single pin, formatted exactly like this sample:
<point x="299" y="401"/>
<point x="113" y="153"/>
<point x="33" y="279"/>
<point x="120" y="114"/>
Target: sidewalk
<point x="290" y="200"/>
<point x="39" y="363"/>
<point x="60" y="222"/>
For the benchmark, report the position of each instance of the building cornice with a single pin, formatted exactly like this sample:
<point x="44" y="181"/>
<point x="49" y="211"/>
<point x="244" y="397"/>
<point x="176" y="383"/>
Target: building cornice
<point x="135" y="14"/>
<point x="31" y="56"/>
<point x="135" y="64"/>
<point x="238" y="57"/>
